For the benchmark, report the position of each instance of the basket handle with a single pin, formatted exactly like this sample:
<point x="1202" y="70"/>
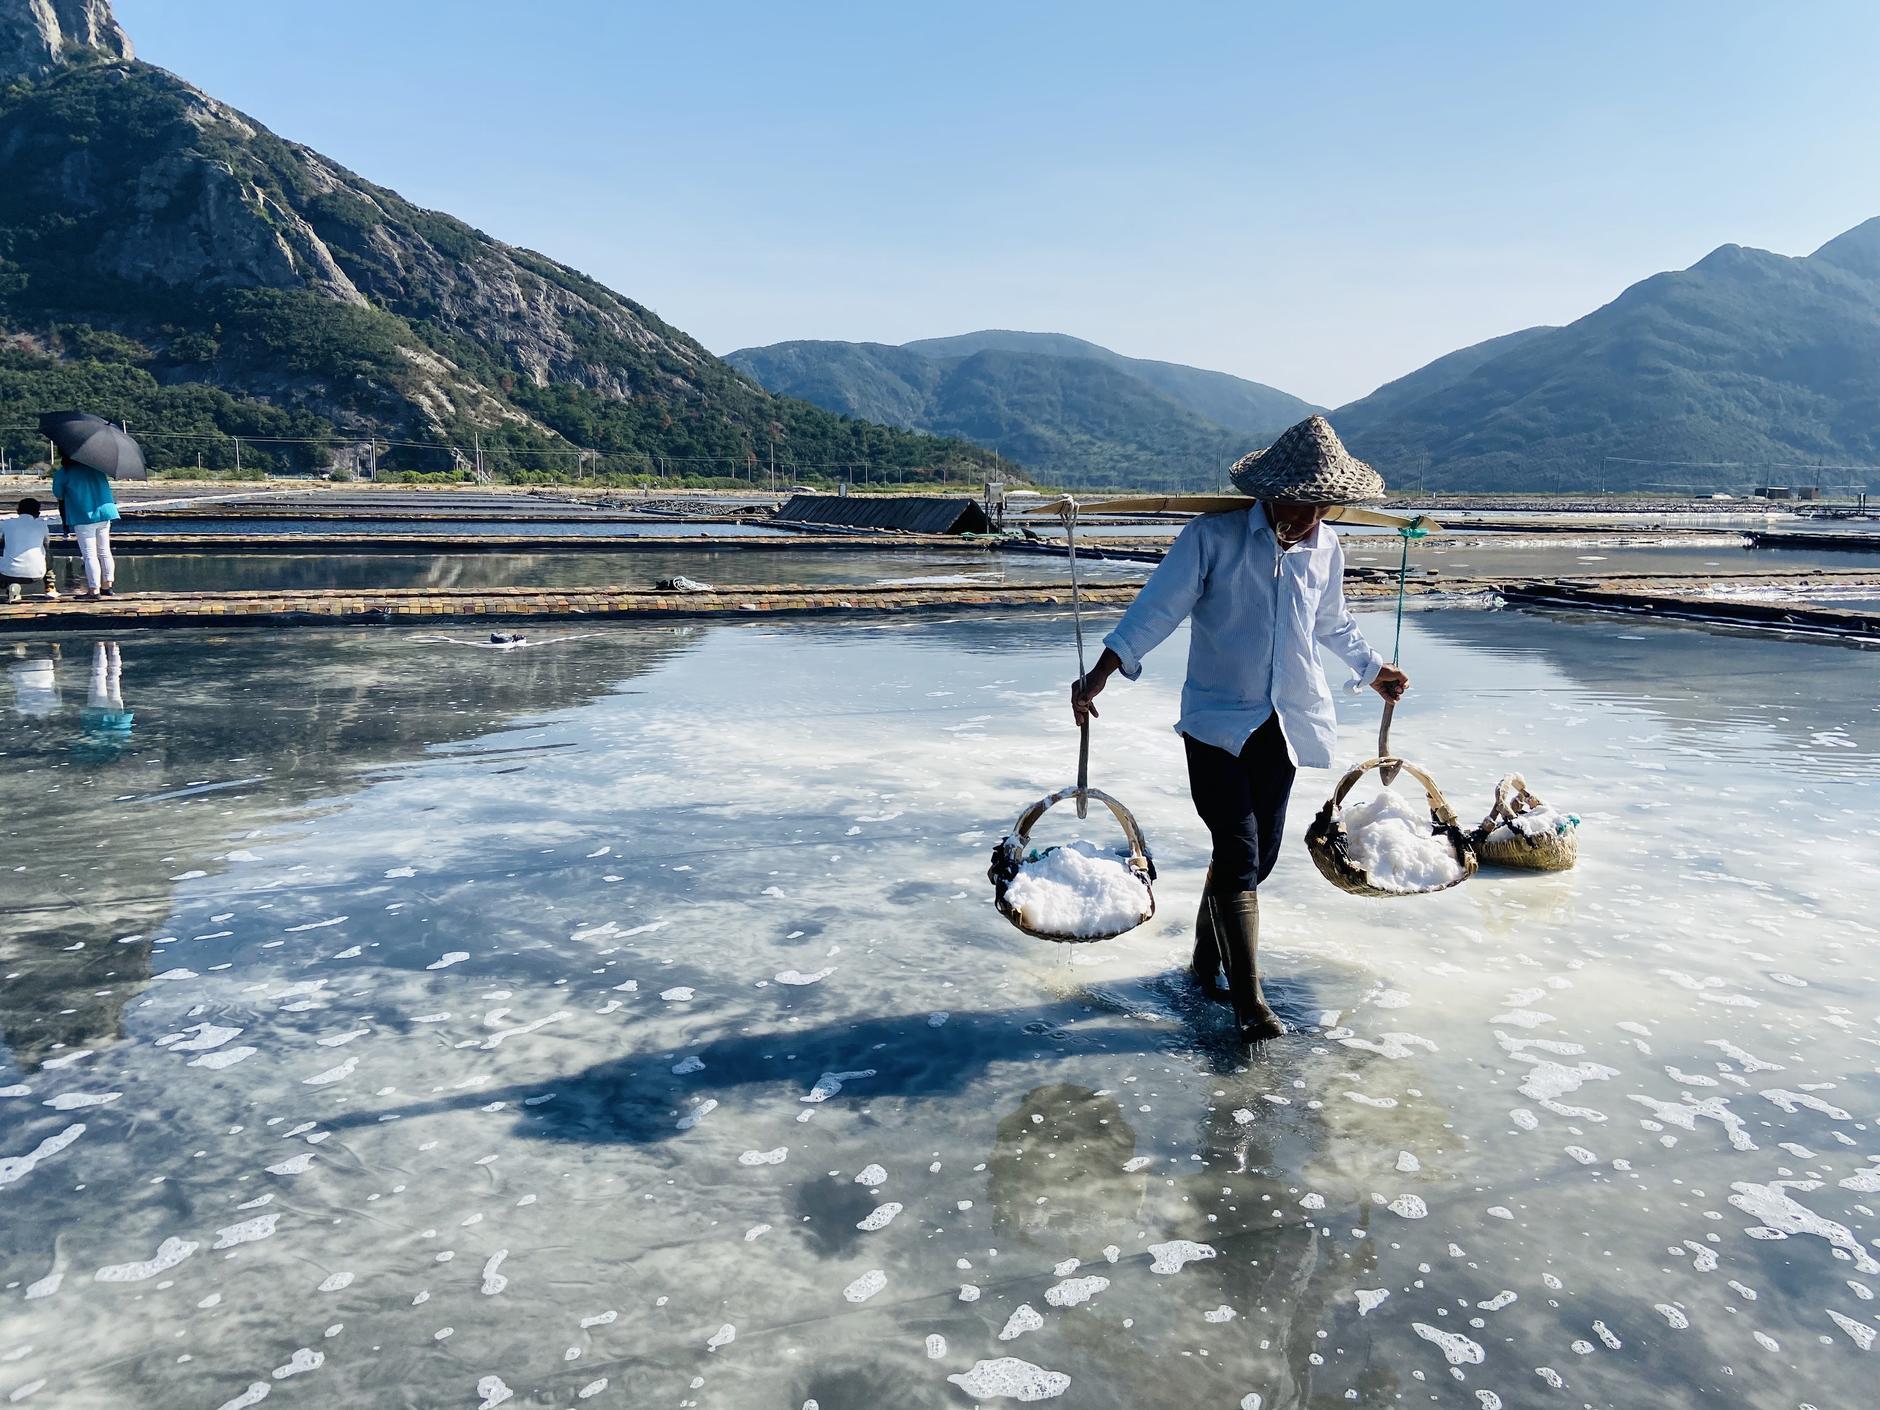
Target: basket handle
<point x="1513" y="798"/>
<point x="1439" y="806"/>
<point x="1132" y="830"/>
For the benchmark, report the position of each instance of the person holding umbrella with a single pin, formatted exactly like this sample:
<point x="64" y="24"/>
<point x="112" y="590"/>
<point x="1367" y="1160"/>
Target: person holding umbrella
<point x="1264" y="587"/>
<point x="91" y="452"/>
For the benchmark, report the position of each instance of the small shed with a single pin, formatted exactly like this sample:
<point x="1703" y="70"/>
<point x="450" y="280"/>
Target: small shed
<point x="908" y="514"/>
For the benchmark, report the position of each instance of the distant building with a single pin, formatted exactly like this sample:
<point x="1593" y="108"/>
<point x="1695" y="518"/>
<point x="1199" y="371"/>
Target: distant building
<point x="1774" y="492"/>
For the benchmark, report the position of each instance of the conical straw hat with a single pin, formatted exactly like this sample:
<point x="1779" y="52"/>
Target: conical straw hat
<point x="1308" y="464"/>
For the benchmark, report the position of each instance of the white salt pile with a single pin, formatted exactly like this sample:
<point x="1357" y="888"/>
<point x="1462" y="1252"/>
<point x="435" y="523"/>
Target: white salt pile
<point x="1394" y="841"/>
<point x="1078" y="889"/>
<point x="1537" y="822"/>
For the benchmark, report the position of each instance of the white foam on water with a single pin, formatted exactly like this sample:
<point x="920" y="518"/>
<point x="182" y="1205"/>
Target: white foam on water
<point x="18" y="1167"/>
<point x="678" y="994"/>
<point x="1008" y="1378"/>
<point x="493" y="1391"/>
<point x="866" y="1286"/>
<point x="170" y="1252"/>
<point x="1859" y="1333"/>
<point x="1369" y="1298"/>
<point x="449" y="958"/>
<point x="332" y="1074"/>
<point x="791" y="976"/>
<point x="1024" y="1318"/>
<point x="1408" y="1207"/>
<point x="248" y="1231"/>
<point x="724" y="1336"/>
<point x="503" y="1035"/>
<point x="1169" y="1257"/>
<point x="692" y="1062"/>
<point x="770" y="1157"/>
<point x="1457" y="1349"/>
<point x="256" y="1393"/>
<point x="304" y="1360"/>
<point x="1781" y="1214"/>
<point x="198" y="1038"/>
<point x="493" y="1281"/>
<point x="936" y="1346"/>
<point x="880" y="1217"/>
<point x="871" y="1175"/>
<point x="698" y="1114"/>
<point x="79" y="1101"/>
<point x="831" y="1082"/>
<point x="225" y="1057"/>
<point x="294" y="1164"/>
<point x="1073" y="1292"/>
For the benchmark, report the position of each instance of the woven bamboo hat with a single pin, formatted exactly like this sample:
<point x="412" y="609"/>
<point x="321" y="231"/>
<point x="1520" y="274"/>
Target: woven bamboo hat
<point x="1308" y="464"/>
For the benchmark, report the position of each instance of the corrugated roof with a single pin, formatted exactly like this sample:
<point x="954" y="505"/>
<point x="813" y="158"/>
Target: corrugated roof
<point x="914" y="514"/>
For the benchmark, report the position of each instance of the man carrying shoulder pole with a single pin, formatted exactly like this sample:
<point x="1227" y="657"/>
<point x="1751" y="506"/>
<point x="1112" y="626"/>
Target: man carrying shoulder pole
<point x="1263" y="587"/>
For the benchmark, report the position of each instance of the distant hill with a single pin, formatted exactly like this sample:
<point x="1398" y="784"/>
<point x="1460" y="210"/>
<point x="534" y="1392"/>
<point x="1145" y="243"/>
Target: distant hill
<point x="167" y="260"/>
<point x="1746" y="357"/>
<point x="1070" y="410"/>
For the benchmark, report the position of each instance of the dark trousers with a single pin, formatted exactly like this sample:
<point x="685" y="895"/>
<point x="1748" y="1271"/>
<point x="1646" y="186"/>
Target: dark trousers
<point x="1242" y="799"/>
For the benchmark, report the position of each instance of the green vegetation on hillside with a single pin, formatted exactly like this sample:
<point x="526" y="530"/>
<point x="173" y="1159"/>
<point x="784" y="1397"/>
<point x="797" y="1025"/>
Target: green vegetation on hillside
<point x="1746" y="367"/>
<point x="166" y="261"/>
<point x="1063" y="408"/>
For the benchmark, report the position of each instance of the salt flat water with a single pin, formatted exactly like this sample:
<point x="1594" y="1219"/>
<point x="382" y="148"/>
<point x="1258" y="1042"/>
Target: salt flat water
<point x="248" y="572"/>
<point x="623" y="1021"/>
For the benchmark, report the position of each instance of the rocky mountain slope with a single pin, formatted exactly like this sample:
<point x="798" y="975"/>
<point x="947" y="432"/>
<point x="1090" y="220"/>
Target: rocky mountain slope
<point x="166" y="258"/>
<point x="1766" y="363"/>
<point x="1075" y="412"/>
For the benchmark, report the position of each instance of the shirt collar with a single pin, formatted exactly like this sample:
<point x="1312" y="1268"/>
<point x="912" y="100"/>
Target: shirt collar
<point x="1263" y="525"/>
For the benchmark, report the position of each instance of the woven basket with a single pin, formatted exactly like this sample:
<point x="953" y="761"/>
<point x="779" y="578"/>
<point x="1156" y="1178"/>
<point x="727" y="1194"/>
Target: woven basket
<point x="1557" y="850"/>
<point x="1330" y="844"/>
<point x="1009" y="856"/>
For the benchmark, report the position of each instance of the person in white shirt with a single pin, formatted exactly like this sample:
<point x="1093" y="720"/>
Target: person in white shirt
<point x="1264" y="587"/>
<point x="23" y="558"/>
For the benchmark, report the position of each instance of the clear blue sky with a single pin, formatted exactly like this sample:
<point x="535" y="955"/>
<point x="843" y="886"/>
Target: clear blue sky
<point x="1321" y="197"/>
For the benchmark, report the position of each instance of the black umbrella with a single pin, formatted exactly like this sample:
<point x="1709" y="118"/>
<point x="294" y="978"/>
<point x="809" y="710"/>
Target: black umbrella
<point x="95" y="443"/>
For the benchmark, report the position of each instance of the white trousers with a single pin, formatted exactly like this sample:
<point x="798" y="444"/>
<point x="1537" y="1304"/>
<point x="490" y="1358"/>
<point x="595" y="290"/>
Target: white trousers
<point x="94" y="546"/>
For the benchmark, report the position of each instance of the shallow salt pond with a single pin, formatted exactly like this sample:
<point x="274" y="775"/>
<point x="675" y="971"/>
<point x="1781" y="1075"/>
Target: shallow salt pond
<point x="641" y="568"/>
<point x="624" y="1021"/>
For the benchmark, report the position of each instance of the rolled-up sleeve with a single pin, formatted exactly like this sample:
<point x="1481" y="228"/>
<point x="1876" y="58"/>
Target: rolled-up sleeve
<point x="1168" y="597"/>
<point x="1333" y="625"/>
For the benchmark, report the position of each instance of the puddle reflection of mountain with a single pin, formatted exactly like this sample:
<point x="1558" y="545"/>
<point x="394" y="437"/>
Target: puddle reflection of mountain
<point x="219" y="749"/>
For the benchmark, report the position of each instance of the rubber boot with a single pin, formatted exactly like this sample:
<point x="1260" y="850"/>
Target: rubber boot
<point x="1206" y="964"/>
<point x="1237" y="922"/>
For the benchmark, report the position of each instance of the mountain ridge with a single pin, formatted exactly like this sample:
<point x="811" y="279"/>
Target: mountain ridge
<point x="1745" y="364"/>
<point x="1073" y="410"/>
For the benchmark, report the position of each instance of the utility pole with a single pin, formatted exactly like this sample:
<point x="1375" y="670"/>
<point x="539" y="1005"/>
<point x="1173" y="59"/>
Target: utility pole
<point x="238" y="455"/>
<point x="372" y="456"/>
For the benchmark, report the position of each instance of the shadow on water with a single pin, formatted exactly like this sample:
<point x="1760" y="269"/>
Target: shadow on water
<point x="638" y="1100"/>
